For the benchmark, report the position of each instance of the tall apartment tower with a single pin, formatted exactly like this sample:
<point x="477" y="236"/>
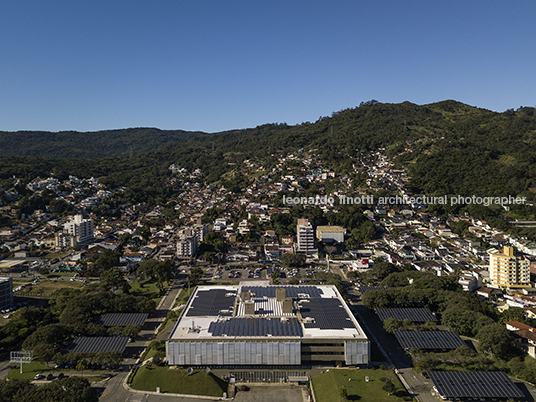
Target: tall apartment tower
<point x="200" y="230"/>
<point x="187" y="244"/>
<point x="509" y="271"/>
<point x="81" y="229"/>
<point x="305" y="237"/>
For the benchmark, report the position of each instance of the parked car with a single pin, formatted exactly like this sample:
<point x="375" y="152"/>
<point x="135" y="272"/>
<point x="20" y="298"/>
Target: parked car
<point x="39" y="377"/>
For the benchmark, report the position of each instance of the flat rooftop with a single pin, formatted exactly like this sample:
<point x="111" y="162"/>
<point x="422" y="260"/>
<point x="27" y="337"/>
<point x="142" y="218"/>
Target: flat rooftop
<point x="242" y="311"/>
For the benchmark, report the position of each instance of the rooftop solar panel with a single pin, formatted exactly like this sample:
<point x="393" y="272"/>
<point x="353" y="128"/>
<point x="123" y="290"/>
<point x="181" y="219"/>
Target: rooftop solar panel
<point x="474" y="384"/>
<point x="429" y="339"/>
<point x="122" y="319"/>
<point x="326" y="313"/>
<point x="256" y="327"/>
<point x="91" y="344"/>
<point x="211" y="303"/>
<point x="290" y="291"/>
<point x="412" y="314"/>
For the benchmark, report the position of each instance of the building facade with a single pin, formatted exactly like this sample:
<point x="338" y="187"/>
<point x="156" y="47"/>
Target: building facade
<point x="507" y="270"/>
<point x="6" y="293"/>
<point x="187" y="244"/>
<point x="305" y="239"/>
<point x="267" y="326"/>
<point x="81" y="229"/>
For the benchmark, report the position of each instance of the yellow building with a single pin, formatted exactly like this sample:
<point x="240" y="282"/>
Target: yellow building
<point x="509" y="271"/>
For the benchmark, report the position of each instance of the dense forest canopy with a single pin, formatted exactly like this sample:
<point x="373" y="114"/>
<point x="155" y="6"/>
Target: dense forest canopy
<point x="90" y="145"/>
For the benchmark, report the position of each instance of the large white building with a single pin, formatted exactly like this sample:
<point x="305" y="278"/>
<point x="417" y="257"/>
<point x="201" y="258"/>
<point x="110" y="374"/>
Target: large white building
<point x="81" y="229"/>
<point x="305" y="238"/>
<point x="267" y="326"/>
<point x="507" y="270"/>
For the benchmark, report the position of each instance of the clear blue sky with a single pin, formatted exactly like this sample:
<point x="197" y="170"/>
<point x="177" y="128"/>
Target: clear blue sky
<point x="90" y="65"/>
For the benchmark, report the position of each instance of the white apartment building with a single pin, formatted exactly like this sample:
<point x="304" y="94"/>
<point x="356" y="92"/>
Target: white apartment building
<point x="187" y="244"/>
<point x="305" y="237"/>
<point x="81" y="229"/>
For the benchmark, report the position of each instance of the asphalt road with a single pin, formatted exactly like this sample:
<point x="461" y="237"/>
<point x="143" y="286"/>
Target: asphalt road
<point x="419" y="387"/>
<point x="113" y="388"/>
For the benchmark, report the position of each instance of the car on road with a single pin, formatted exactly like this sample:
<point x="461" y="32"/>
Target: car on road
<point x="39" y="377"/>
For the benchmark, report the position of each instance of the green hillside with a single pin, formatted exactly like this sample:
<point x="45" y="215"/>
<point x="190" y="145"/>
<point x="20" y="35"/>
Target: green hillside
<point x="448" y="147"/>
<point x="94" y="145"/>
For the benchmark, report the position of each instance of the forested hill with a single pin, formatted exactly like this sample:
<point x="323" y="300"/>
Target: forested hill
<point x="94" y="145"/>
<point x="448" y="148"/>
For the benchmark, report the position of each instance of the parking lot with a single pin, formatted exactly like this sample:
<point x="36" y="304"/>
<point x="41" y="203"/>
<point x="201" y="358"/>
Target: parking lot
<point x="236" y="273"/>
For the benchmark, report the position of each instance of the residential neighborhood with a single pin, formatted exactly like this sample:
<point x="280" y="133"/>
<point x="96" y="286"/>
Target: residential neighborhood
<point x="89" y="234"/>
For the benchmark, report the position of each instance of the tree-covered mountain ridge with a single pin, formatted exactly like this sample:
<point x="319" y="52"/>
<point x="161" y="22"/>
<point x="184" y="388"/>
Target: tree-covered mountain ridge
<point x="90" y="145"/>
<point x="447" y="147"/>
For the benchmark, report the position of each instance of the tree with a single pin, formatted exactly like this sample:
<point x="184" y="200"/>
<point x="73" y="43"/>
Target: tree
<point x="195" y="275"/>
<point x="44" y="352"/>
<point x="81" y="366"/>
<point x="112" y="279"/>
<point x="389" y="387"/>
<point x="147" y="269"/>
<point x="107" y="259"/>
<point x="496" y="339"/>
<point x="343" y="392"/>
<point x="163" y="272"/>
<point x="293" y="260"/>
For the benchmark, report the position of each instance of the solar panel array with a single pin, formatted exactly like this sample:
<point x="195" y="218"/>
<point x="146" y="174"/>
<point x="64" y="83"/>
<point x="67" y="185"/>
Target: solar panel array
<point x="256" y="327"/>
<point x="429" y="339"/>
<point x="122" y="319"/>
<point x="91" y="344"/>
<point x="210" y="303"/>
<point x="363" y="289"/>
<point x="474" y="384"/>
<point x="412" y="314"/>
<point x="290" y="291"/>
<point x="327" y="314"/>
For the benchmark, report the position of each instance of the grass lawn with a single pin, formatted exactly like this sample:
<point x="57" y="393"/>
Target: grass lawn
<point x="327" y="385"/>
<point x="29" y="370"/>
<point x="178" y="381"/>
<point x="48" y="286"/>
<point x="183" y="296"/>
<point x="149" y="289"/>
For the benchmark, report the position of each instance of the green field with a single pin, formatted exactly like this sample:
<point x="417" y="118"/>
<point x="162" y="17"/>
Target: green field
<point x="178" y="381"/>
<point x="29" y="370"/>
<point x="327" y="386"/>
